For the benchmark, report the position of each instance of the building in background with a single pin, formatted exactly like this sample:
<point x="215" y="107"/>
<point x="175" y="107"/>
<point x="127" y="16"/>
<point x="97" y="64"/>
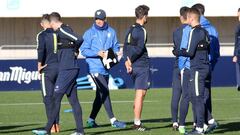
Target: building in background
<point x="19" y="21"/>
<point x="19" y="25"/>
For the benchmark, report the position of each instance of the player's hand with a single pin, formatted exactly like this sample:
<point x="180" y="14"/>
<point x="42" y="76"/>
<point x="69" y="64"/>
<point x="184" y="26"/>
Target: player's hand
<point x="40" y="68"/>
<point x="234" y="59"/>
<point x="102" y="54"/>
<point x="129" y="61"/>
<point x="129" y="70"/>
<point x="174" y="51"/>
<point x="76" y="54"/>
<point x="128" y="65"/>
<point x="119" y="55"/>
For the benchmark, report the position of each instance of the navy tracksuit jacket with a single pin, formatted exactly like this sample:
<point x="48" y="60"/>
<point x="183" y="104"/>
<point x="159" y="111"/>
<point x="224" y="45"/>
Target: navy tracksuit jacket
<point x="181" y="75"/>
<point x="68" y="45"/>
<point x="198" y="51"/>
<point x="47" y="54"/>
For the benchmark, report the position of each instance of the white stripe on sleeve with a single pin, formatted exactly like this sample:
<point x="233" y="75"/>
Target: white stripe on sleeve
<point x="68" y="34"/>
<point x="190" y="39"/>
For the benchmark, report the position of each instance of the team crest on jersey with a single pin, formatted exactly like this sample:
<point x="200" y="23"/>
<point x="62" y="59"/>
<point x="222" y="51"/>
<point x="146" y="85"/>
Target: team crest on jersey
<point x="109" y="35"/>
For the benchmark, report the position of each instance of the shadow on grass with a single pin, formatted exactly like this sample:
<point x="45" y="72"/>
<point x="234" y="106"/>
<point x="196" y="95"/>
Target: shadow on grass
<point x="170" y="125"/>
<point x="12" y="128"/>
<point x="228" y="127"/>
<point x="126" y="129"/>
<point x="143" y="121"/>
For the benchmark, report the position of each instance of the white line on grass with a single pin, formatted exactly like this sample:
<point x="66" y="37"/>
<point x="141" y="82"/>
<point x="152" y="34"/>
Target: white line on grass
<point x="86" y="102"/>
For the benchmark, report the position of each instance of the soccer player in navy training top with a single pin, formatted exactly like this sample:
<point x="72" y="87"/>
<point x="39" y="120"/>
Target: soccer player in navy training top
<point x="181" y="74"/>
<point x="236" y="55"/>
<point x="198" y="51"/>
<point x="97" y="40"/>
<point x="68" y="45"/>
<point x="210" y="122"/>
<point x="48" y="65"/>
<point x="137" y="61"/>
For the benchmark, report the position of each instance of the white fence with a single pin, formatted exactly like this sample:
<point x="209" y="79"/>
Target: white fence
<point x="154" y="50"/>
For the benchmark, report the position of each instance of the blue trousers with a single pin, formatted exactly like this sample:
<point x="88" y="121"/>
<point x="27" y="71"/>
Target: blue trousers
<point x="48" y="80"/>
<point x="176" y="93"/>
<point x="198" y="79"/>
<point x="102" y="96"/>
<point x="66" y="84"/>
<point x="207" y="100"/>
<point x="180" y="90"/>
<point x="185" y="99"/>
<point x="238" y="74"/>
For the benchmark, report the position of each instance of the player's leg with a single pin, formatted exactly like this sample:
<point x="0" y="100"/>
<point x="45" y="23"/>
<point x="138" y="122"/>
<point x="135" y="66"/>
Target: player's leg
<point x="77" y="110"/>
<point x="55" y="110"/>
<point x="208" y="96"/>
<point x="141" y="77"/>
<point x="238" y="75"/>
<point x="184" y="104"/>
<point x="207" y="99"/>
<point x="55" y="105"/>
<point x="102" y="84"/>
<point x="48" y="83"/>
<point x="199" y="87"/>
<point x="56" y="123"/>
<point x="200" y="106"/>
<point x="104" y="94"/>
<point x="97" y="103"/>
<point x="210" y="122"/>
<point x="63" y="82"/>
<point x="69" y="87"/>
<point x="176" y="94"/>
<point x="46" y="93"/>
<point x="138" y="105"/>
<point x="52" y="75"/>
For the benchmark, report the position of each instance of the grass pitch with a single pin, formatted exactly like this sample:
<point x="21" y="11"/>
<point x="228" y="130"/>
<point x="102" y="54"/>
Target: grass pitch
<point x="20" y="112"/>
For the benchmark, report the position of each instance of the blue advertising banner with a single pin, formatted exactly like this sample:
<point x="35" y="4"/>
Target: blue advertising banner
<point x="23" y="75"/>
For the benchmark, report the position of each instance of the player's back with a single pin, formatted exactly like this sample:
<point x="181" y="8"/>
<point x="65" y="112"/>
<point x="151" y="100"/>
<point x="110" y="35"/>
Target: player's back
<point x="200" y="38"/>
<point x="51" y="48"/>
<point x="66" y="50"/>
<point x="177" y="39"/>
<point x="136" y="47"/>
<point x="47" y="49"/>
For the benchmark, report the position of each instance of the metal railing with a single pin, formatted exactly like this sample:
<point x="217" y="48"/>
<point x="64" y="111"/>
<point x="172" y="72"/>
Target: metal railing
<point x="150" y="45"/>
<point x="8" y="47"/>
